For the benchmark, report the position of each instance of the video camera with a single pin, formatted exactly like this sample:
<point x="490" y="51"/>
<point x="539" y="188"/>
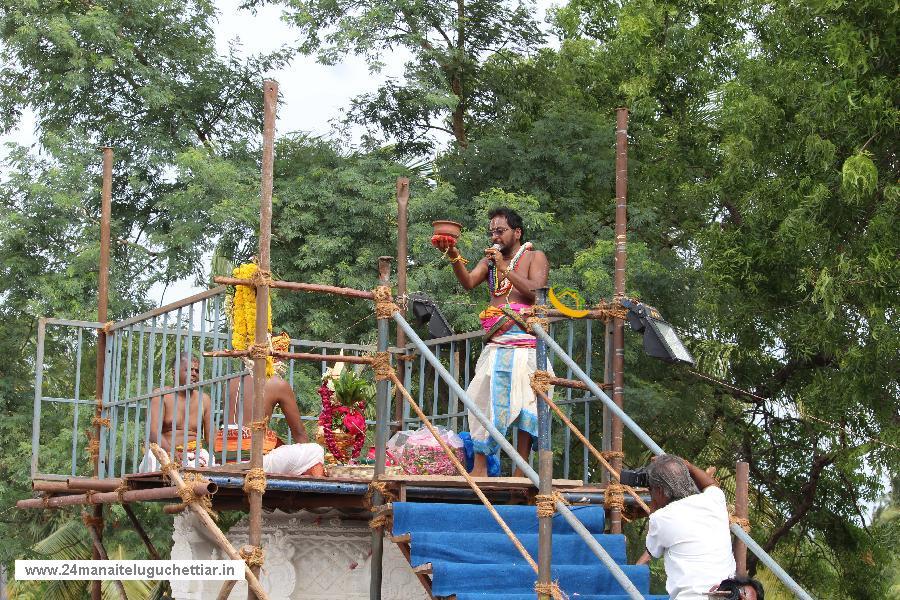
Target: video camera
<point x="634" y="477"/>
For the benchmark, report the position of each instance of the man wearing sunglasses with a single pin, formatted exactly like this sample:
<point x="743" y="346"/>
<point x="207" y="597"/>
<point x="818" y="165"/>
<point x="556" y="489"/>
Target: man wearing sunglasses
<point x="501" y="387"/>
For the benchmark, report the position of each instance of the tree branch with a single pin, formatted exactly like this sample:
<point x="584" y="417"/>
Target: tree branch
<point x="808" y="496"/>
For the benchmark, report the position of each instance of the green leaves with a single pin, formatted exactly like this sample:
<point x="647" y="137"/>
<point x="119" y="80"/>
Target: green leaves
<point x="859" y="175"/>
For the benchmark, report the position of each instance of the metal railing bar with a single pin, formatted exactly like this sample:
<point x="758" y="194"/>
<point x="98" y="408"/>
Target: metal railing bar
<point x="77" y="393"/>
<point x="177" y="305"/>
<point x="73" y="323"/>
<point x="68" y="400"/>
<point x="127" y="391"/>
<point x="137" y="389"/>
<point x="180" y="388"/>
<point x="529" y="472"/>
<point x="177" y="381"/>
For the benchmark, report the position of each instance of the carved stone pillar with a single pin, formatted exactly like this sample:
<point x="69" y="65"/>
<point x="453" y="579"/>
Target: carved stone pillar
<point x="308" y="556"/>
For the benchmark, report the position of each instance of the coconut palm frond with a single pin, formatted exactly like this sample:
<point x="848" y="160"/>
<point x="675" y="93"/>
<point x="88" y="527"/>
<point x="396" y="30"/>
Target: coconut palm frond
<point x="67" y="542"/>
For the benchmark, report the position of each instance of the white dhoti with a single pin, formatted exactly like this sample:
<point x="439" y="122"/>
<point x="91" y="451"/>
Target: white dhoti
<point x="195" y="460"/>
<point x="502" y="390"/>
<point x="293" y="459"/>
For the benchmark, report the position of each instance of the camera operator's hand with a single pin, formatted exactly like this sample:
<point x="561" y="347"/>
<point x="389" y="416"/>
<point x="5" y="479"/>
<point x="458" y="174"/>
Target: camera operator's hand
<point x="700" y="477"/>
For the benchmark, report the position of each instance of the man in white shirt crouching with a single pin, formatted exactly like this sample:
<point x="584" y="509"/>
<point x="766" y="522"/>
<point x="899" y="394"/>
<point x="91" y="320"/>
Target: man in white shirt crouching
<point x="688" y="528"/>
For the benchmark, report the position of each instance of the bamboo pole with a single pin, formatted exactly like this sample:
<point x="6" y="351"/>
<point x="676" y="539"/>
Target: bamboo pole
<point x="218" y="537"/>
<point x="52" y="487"/>
<point x="332" y="358"/>
<point x="301" y="287"/>
<point x="619" y="324"/>
<point x="93" y="484"/>
<point x="100" y="498"/>
<point x="270" y="98"/>
<point x="402" y="259"/>
<point x="141" y="532"/>
<point x="101" y="551"/>
<point x="102" y="316"/>
<point x="741" y="510"/>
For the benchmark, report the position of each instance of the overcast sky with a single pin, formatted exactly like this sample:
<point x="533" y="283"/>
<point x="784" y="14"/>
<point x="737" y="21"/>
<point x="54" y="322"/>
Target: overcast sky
<point x="313" y="95"/>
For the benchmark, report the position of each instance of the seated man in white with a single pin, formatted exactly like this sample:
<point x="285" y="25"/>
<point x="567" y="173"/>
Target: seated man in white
<point x="167" y="415"/>
<point x="299" y="458"/>
<point x="688" y="528"/>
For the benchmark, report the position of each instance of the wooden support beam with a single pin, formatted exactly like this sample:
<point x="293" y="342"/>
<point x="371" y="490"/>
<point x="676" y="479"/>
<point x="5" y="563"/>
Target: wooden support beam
<point x="302" y="287"/>
<point x="141" y="533"/>
<point x="210" y="525"/>
<point x="101" y="552"/>
<point x="100" y="498"/>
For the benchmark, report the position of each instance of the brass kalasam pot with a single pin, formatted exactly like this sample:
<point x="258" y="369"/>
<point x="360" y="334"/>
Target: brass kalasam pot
<point x="342" y="439"/>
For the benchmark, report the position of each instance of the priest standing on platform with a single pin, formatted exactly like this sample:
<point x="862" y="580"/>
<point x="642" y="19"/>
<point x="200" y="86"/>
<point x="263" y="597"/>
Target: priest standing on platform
<point x="501" y="386"/>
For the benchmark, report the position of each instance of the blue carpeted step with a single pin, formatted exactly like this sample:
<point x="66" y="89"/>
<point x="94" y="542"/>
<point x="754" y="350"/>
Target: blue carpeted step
<point x="465" y="547"/>
<point x="531" y="596"/>
<point x="410" y="517"/>
<point x="453" y="578"/>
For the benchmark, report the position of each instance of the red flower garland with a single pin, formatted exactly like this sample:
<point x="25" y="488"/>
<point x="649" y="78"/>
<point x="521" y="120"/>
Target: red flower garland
<point x="326" y="420"/>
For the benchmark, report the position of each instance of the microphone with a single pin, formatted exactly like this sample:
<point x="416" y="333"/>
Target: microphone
<point x="497" y="247"/>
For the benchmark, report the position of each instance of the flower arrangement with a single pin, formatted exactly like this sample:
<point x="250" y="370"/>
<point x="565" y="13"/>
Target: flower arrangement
<point x="242" y="311"/>
<point x="342" y="420"/>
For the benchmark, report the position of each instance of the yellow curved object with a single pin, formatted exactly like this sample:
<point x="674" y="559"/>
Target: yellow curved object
<point x="561" y="307"/>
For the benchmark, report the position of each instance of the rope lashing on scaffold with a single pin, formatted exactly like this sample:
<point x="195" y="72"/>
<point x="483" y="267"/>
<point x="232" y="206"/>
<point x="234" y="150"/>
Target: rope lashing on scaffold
<point x="107" y="327"/>
<point x="550" y="589"/>
<point x="546" y="503"/>
<point x="258" y="351"/>
<point x="381" y="364"/>
<point x="189" y="497"/>
<point x="384" y="302"/>
<point x="541" y="381"/>
<point x="609" y="311"/>
<point x="538" y="317"/>
<point x="261" y="277"/>
<point x="614" y="496"/>
<point x="382" y="488"/>
<point x="252" y="555"/>
<point x="89" y="496"/>
<point x="612" y="454"/>
<point x="384" y="517"/>
<point x="100" y="421"/>
<point x="93" y="447"/>
<point x="168" y="468"/>
<point x="120" y="491"/>
<point x="742" y="522"/>
<point x="255" y="481"/>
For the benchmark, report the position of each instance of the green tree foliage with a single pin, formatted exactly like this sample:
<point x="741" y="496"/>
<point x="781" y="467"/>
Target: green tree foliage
<point x="447" y="43"/>
<point x="762" y="201"/>
<point x="144" y="78"/>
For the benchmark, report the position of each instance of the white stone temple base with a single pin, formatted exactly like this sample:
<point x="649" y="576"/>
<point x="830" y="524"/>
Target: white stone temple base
<point x="308" y="556"/>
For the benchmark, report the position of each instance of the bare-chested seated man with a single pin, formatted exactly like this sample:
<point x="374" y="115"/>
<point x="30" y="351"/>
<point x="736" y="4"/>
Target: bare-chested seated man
<point x="167" y="418"/>
<point x="299" y="458"/>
